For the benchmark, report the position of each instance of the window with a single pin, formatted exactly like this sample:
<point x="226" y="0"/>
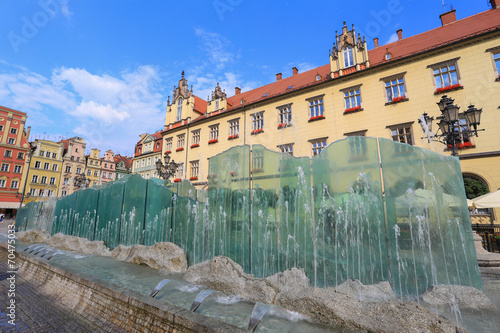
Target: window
<point x="286" y="148"/>
<point x="395" y="89"/>
<point x="91" y="162"/>
<point x="357" y="146"/>
<point x="17" y="169"/>
<point x="20" y="155"/>
<point x="105" y="165"/>
<point x="180" y="171"/>
<point x="5" y="167"/>
<point x="38" y="164"/>
<point x="461" y="130"/>
<point x="43" y="180"/>
<point x="89" y="172"/>
<point x="445" y="74"/>
<point x="402" y="133"/>
<point x="42" y="153"/>
<point x="46" y="166"/>
<point x="111" y="166"/>
<point x="196" y="138"/>
<point x="96" y="173"/>
<point x="179" y="109"/>
<point x="257" y="122"/>
<point x="1" y="128"/>
<point x="12" y="141"/>
<point x="143" y="162"/>
<point x="285" y="115"/>
<point x="168" y="144"/>
<point x="8" y="153"/>
<point x="318" y="145"/>
<point x="78" y="171"/>
<point x="54" y="155"/>
<point x="352" y="98"/>
<point x="110" y="175"/>
<point x="40" y="193"/>
<point x="180" y="142"/>
<point x="13" y="130"/>
<point x="78" y="159"/>
<point x="234" y="128"/>
<point x="348" y="57"/>
<point x="2" y="182"/>
<point x="34" y="179"/>
<point x="52" y="181"/>
<point x="257" y="160"/>
<point x="104" y="174"/>
<point x="214" y="133"/>
<point x="195" y="165"/>
<point x="149" y="161"/>
<point x="496" y="60"/>
<point x="54" y="167"/>
<point x="76" y="150"/>
<point x="66" y="181"/>
<point x="32" y="192"/>
<point x="50" y="193"/>
<point x="14" y="184"/>
<point x="63" y="193"/>
<point x="316" y="107"/>
<point x="216" y="104"/>
<point x="68" y="168"/>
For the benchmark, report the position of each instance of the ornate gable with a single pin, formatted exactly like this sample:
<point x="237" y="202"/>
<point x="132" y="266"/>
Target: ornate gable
<point x="349" y="53"/>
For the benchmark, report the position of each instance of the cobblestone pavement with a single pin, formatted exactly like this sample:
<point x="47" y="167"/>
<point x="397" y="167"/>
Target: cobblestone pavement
<point x="35" y="312"/>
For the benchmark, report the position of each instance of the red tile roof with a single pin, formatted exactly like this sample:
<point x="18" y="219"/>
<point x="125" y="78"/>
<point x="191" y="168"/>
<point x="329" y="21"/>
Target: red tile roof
<point x="459" y="30"/>
<point x="200" y="105"/>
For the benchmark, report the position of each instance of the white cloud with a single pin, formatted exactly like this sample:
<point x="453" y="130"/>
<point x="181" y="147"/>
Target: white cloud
<point x="392" y="38"/>
<point x="100" y="112"/>
<point x="216" y="47"/>
<point x="65" y="8"/>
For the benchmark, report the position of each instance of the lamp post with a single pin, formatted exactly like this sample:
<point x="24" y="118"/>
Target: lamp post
<point x="81" y="181"/>
<point x="30" y="155"/>
<point x="166" y="170"/>
<point x="450" y="130"/>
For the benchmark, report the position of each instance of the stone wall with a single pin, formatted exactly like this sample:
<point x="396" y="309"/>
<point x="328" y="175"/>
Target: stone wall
<point x="120" y="310"/>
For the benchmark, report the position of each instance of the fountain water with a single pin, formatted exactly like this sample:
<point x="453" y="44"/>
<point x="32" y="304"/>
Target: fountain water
<point x="200" y="298"/>
<point x="158" y="287"/>
<point x="365" y="208"/>
<point x="259" y="310"/>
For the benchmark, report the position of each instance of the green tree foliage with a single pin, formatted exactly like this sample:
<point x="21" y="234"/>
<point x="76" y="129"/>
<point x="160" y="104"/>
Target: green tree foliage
<point x="474" y="187"/>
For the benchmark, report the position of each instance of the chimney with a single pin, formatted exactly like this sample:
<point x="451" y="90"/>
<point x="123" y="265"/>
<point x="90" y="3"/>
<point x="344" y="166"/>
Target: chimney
<point x="375" y="41"/>
<point x="237" y="91"/>
<point x="448" y="17"/>
<point x="278" y="76"/>
<point x="400" y="34"/>
<point x="295" y="71"/>
<point x="494" y="4"/>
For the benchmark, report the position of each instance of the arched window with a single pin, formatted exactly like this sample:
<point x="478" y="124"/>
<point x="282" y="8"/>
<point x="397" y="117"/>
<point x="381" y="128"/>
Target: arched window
<point x="348" y="57"/>
<point x="179" y="109"/>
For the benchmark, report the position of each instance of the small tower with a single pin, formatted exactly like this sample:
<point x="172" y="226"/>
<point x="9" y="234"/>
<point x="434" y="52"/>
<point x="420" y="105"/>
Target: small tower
<point x="179" y="109"/>
<point x="349" y="54"/>
<point x="218" y="100"/>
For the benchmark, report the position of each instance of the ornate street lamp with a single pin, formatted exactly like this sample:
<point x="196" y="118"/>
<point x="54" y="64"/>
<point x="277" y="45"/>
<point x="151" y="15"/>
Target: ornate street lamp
<point x="30" y="155"/>
<point x="81" y="181"/>
<point x="168" y="169"/>
<point x="450" y="129"/>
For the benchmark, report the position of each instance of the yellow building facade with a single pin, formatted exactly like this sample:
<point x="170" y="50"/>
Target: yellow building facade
<point x="44" y="171"/>
<point x="93" y="167"/>
<point x="381" y="92"/>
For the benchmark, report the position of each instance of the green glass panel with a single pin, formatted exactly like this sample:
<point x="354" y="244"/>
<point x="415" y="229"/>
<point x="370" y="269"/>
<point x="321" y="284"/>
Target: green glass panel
<point x="84" y="218"/>
<point x="350" y="233"/>
<point x="63" y="216"/>
<point x="428" y="221"/>
<point x="158" y="213"/>
<point x="133" y="213"/>
<point x="186" y="189"/>
<point x="109" y="212"/>
<point x="22" y="216"/>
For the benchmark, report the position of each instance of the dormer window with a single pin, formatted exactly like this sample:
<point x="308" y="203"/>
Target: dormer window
<point x="179" y="109"/>
<point x="387" y="56"/>
<point x="318" y="77"/>
<point x="348" y="57"/>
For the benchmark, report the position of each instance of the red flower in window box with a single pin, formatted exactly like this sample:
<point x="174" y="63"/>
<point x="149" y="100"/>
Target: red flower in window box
<point x="212" y="141"/>
<point x="233" y="136"/>
<point x="354" y="109"/>
<point x="317" y="117"/>
<point x="193" y="178"/>
<point x="465" y="145"/>
<point x="398" y="99"/>
<point x="177" y="180"/>
<point x="447" y="88"/>
<point x="233" y="173"/>
<point x="180" y="149"/>
<point x="256" y="170"/>
<point x="195" y="145"/>
<point x="282" y="125"/>
<point x="168" y="152"/>
<point x="257" y="131"/>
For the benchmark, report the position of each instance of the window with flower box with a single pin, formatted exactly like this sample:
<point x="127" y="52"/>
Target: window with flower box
<point x="395" y="90"/>
<point x="284" y="115"/>
<point x="286" y="148"/>
<point x="257" y="122"/>
<point x="446" y="76"/>
<point x="352" y="99"/>
<point x="168" y="145"/>
<point x="179" y="173"/>
<point x="195" y="166"/>
<point x="317" y="145"/>
<point x="402" y="133"/>
<point x="234" y="129"/>
<point x="316" y="108"/>
<point x="180" y="142"/>
<point x="195" y="138"/>
<point x="214" y="134"/>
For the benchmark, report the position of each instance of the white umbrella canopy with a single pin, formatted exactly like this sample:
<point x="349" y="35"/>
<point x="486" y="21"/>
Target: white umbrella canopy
<point x="489" y="200"/>
<point x="470" y="203"/>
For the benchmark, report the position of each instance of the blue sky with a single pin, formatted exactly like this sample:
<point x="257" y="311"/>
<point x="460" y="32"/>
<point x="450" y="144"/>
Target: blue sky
<point x="103" y="69"/>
